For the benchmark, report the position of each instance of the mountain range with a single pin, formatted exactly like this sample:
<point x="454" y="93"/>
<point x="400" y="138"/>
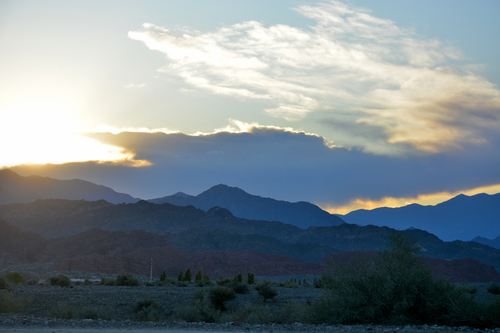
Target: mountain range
<point x="462" y="217"/>
<point x="253" y="207"/>
<point x="490" y="242"/>
<point x="192" y="229"/>
<point x="98" y="235"/>
<point x="18" y="189"/>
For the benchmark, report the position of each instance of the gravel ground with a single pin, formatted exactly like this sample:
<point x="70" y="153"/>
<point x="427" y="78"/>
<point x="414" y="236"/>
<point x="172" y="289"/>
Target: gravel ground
<point x="116" y="304"/>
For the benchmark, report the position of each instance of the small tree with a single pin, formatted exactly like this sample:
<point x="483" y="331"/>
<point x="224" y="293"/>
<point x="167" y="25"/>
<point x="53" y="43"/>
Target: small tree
<point x="180" y="278"/>
<point x="239" y="278"/>
<point x="250" y="278"/>
<point x="206" y="279"/>
<point x="187" y="276"/>
<point x="163" y="276"/>
<point x="198" y="277"/>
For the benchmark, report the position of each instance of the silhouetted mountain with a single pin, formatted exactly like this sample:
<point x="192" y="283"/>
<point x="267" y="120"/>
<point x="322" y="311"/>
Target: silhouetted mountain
<point x="253" y="207"/>
<point x="461" y="217"/>
<point x="490" y="242"/>
<point x="18" y="189"/>
<point x="192" y="229"/>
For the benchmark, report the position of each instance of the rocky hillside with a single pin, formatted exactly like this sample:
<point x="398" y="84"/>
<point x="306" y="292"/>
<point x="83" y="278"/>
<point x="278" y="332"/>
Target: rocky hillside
<point x="18" y="189"/>
<point x="17" y="247"/>
<point x="192" y="229"/>
<point x="253" y="207"/>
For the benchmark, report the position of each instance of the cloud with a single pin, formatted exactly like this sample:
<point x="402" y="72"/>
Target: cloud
<point x="278" y="163"/>
<point x="386" y="77"/>
<point x="135" y="86"/>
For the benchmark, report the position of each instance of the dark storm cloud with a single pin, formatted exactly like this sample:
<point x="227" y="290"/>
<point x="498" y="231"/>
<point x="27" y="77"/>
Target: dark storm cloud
<point x="280" y="164"/>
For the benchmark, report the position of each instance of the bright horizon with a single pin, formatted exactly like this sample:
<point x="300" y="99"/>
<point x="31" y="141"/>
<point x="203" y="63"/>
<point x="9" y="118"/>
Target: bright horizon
<point x="345" y="104"/>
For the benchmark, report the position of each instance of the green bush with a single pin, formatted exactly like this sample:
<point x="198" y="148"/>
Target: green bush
<point x="60" y="280"/>
<point x="394" y="288"/>
<point x="148" y="310"/>
<point x="126" y="280"/>
<point x="241" y="288"/>
<point x="9" y="303"/>
<point x="266" y="290"/>
<point x="494" y="289"/>
<point x="163" y="276"/>
<point x="15" y="278"/>
<point x="220" y="295"/>
<point x="207" y="306"/>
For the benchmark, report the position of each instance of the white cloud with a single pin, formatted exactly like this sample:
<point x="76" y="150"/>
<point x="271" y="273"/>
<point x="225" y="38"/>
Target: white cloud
<point x="386" y="76"/>
<point x="135" y="86"/>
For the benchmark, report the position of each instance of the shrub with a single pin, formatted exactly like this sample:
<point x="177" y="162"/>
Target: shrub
<point x="15" y="278"/>
<point x="241" y="288"/>
<point x="220" y="295"/>
<point x="33" y="282"/>
<point x="4" y="284"/>
<point x="126" y="280"/>
<point x="255" y="314"/>
<point x="60" y="280"/>
<point x="181" y="284"/>
<point x="148" y="310"/>
<point x="250" y="278"/>
<point x="163" y="276"/>
<point x="494" y="289"/>
<point x="9" y="303"/>
<point x="179" y="277"/>
<point x="200" y="311"/>
<point x="393" y="288"/>
<point x="75" y="311"/>
<point x="217" y="296"/>
<point x="290" y="284"/>
<point x="207" y="306"/>
<point x="266" y="290"/>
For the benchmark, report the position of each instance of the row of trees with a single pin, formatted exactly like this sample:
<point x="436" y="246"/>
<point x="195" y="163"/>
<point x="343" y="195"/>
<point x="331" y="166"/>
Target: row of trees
<point x="199" y="277"/>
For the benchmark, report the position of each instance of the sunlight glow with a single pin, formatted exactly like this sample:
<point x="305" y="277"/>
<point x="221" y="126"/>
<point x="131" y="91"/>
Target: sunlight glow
<point x="423" y="199"/>
<point x="44" y="129"/>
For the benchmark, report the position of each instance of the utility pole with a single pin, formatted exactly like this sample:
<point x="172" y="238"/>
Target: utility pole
<point x="151" y="274"/>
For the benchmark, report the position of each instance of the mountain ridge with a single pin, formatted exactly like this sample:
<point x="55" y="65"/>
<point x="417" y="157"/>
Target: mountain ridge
<point x="460" y="218"/>
<point x="244" y="205"/>
<point x="15" y="188"/>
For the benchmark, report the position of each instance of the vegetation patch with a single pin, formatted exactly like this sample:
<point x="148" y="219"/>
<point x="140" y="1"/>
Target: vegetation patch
<point x="60" y="280"/>
<point x="148" y="310"/>
<point x="397" y="288"/>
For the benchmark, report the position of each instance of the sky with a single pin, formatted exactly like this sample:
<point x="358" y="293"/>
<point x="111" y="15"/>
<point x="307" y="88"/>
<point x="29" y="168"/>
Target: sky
<point x="345" y="104"/>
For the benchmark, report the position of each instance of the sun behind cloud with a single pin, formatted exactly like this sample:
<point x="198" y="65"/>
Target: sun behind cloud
<point x="44" y="129"/>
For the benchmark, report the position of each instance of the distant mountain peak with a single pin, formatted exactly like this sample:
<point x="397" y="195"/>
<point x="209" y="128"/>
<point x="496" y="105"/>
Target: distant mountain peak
<point x="181" y="195"/>
<point x="253" y="207"/>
